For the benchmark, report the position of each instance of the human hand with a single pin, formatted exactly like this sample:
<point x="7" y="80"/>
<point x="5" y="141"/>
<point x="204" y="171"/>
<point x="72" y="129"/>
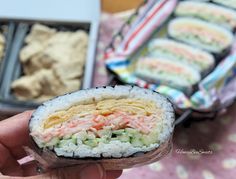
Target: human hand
<point x="14" y="135"/>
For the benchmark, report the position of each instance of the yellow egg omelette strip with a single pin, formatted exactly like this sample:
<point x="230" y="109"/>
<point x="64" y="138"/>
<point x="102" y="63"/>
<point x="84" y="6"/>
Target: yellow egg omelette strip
<point x="104" y="107"/>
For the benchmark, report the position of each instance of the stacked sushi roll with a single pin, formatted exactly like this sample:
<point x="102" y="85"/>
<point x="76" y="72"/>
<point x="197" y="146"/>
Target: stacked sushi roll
<point x="106" y="122"/>
<point x="227" y="3"/>
<point x="200" y="60"/>
<point x="162" y="70"/>
<point x="201" y="34"/>
<point x="210" y="12"/>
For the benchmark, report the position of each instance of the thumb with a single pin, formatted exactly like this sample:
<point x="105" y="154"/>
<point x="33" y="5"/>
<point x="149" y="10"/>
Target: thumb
<point x="93" y="171"/>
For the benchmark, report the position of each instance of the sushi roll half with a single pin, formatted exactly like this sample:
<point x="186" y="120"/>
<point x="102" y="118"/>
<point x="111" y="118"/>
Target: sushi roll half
<point x="201" y="34"/>
<point x="227" y="3"/>
<point x="108" y="124"/>
<point x="160" y="70"/>
<point x="196" y="58"/>
<point x="209" y="12"/>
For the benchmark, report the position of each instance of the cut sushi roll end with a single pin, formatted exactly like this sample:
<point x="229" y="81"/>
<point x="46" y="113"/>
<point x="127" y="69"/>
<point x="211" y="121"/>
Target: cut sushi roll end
<point x="110" y="124"/>
<point x="201" y="60"/>
<point x="201" y="34"/>
<point x="164" y="71"/>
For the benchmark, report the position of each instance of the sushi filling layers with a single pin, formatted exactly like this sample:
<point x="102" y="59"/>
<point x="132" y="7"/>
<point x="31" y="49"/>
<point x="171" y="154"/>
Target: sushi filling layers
<point x="85" y="130"/>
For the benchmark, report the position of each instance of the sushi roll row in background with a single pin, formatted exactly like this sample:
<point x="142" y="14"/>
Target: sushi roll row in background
<point x="210" y="12"/>
<point x="200" y="35"/>
<point x="200" y="60"/>
<point x="168" y="72"/>
<point x="227" y="3"/>
<point x="205" y="25"/>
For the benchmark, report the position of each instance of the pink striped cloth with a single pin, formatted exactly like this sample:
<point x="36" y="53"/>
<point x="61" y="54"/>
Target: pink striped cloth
<point x="143" y="30"/>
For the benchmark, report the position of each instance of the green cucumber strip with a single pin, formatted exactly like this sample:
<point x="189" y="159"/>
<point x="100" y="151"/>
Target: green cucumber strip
<point x="68" y="136"/>
<point x="105" y="133"/>
<point x="123" y="138"/>
<point x="102" y="140"/>
<point x="118" y="132"/>
<point x="82" y="135"/>
<point x="136" y="142"/>
<point x="66" y="142"/>
<point x="131" y="131"/>
<point x="91" y="136"/>
<point x="53" y="142"/>
<point x="74" y="139"/>
<point x="91" y="142"/>
<point x="150" y="138"/>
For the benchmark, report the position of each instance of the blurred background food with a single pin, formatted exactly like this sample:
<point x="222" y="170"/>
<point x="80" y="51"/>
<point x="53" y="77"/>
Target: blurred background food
<point x="53" y="61"/>
<point x="2" y="45"/>
<point x="227" y="3"/>
<point x="112" y="6"/>
<point x="214" y="13"/>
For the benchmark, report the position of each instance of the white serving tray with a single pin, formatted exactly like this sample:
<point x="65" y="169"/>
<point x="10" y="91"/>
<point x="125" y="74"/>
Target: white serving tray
<point x="55" y="11"/>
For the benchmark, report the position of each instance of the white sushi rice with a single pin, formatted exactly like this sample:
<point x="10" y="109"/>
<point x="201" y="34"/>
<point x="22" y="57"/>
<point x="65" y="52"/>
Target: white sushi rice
<point x="113" y="148"/>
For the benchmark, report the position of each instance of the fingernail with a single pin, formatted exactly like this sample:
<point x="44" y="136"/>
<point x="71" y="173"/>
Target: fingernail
<point x="92" y="172"/>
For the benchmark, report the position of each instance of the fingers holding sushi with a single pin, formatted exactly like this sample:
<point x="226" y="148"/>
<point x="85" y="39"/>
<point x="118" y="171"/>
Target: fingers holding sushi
<point x="12" y="139"/>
